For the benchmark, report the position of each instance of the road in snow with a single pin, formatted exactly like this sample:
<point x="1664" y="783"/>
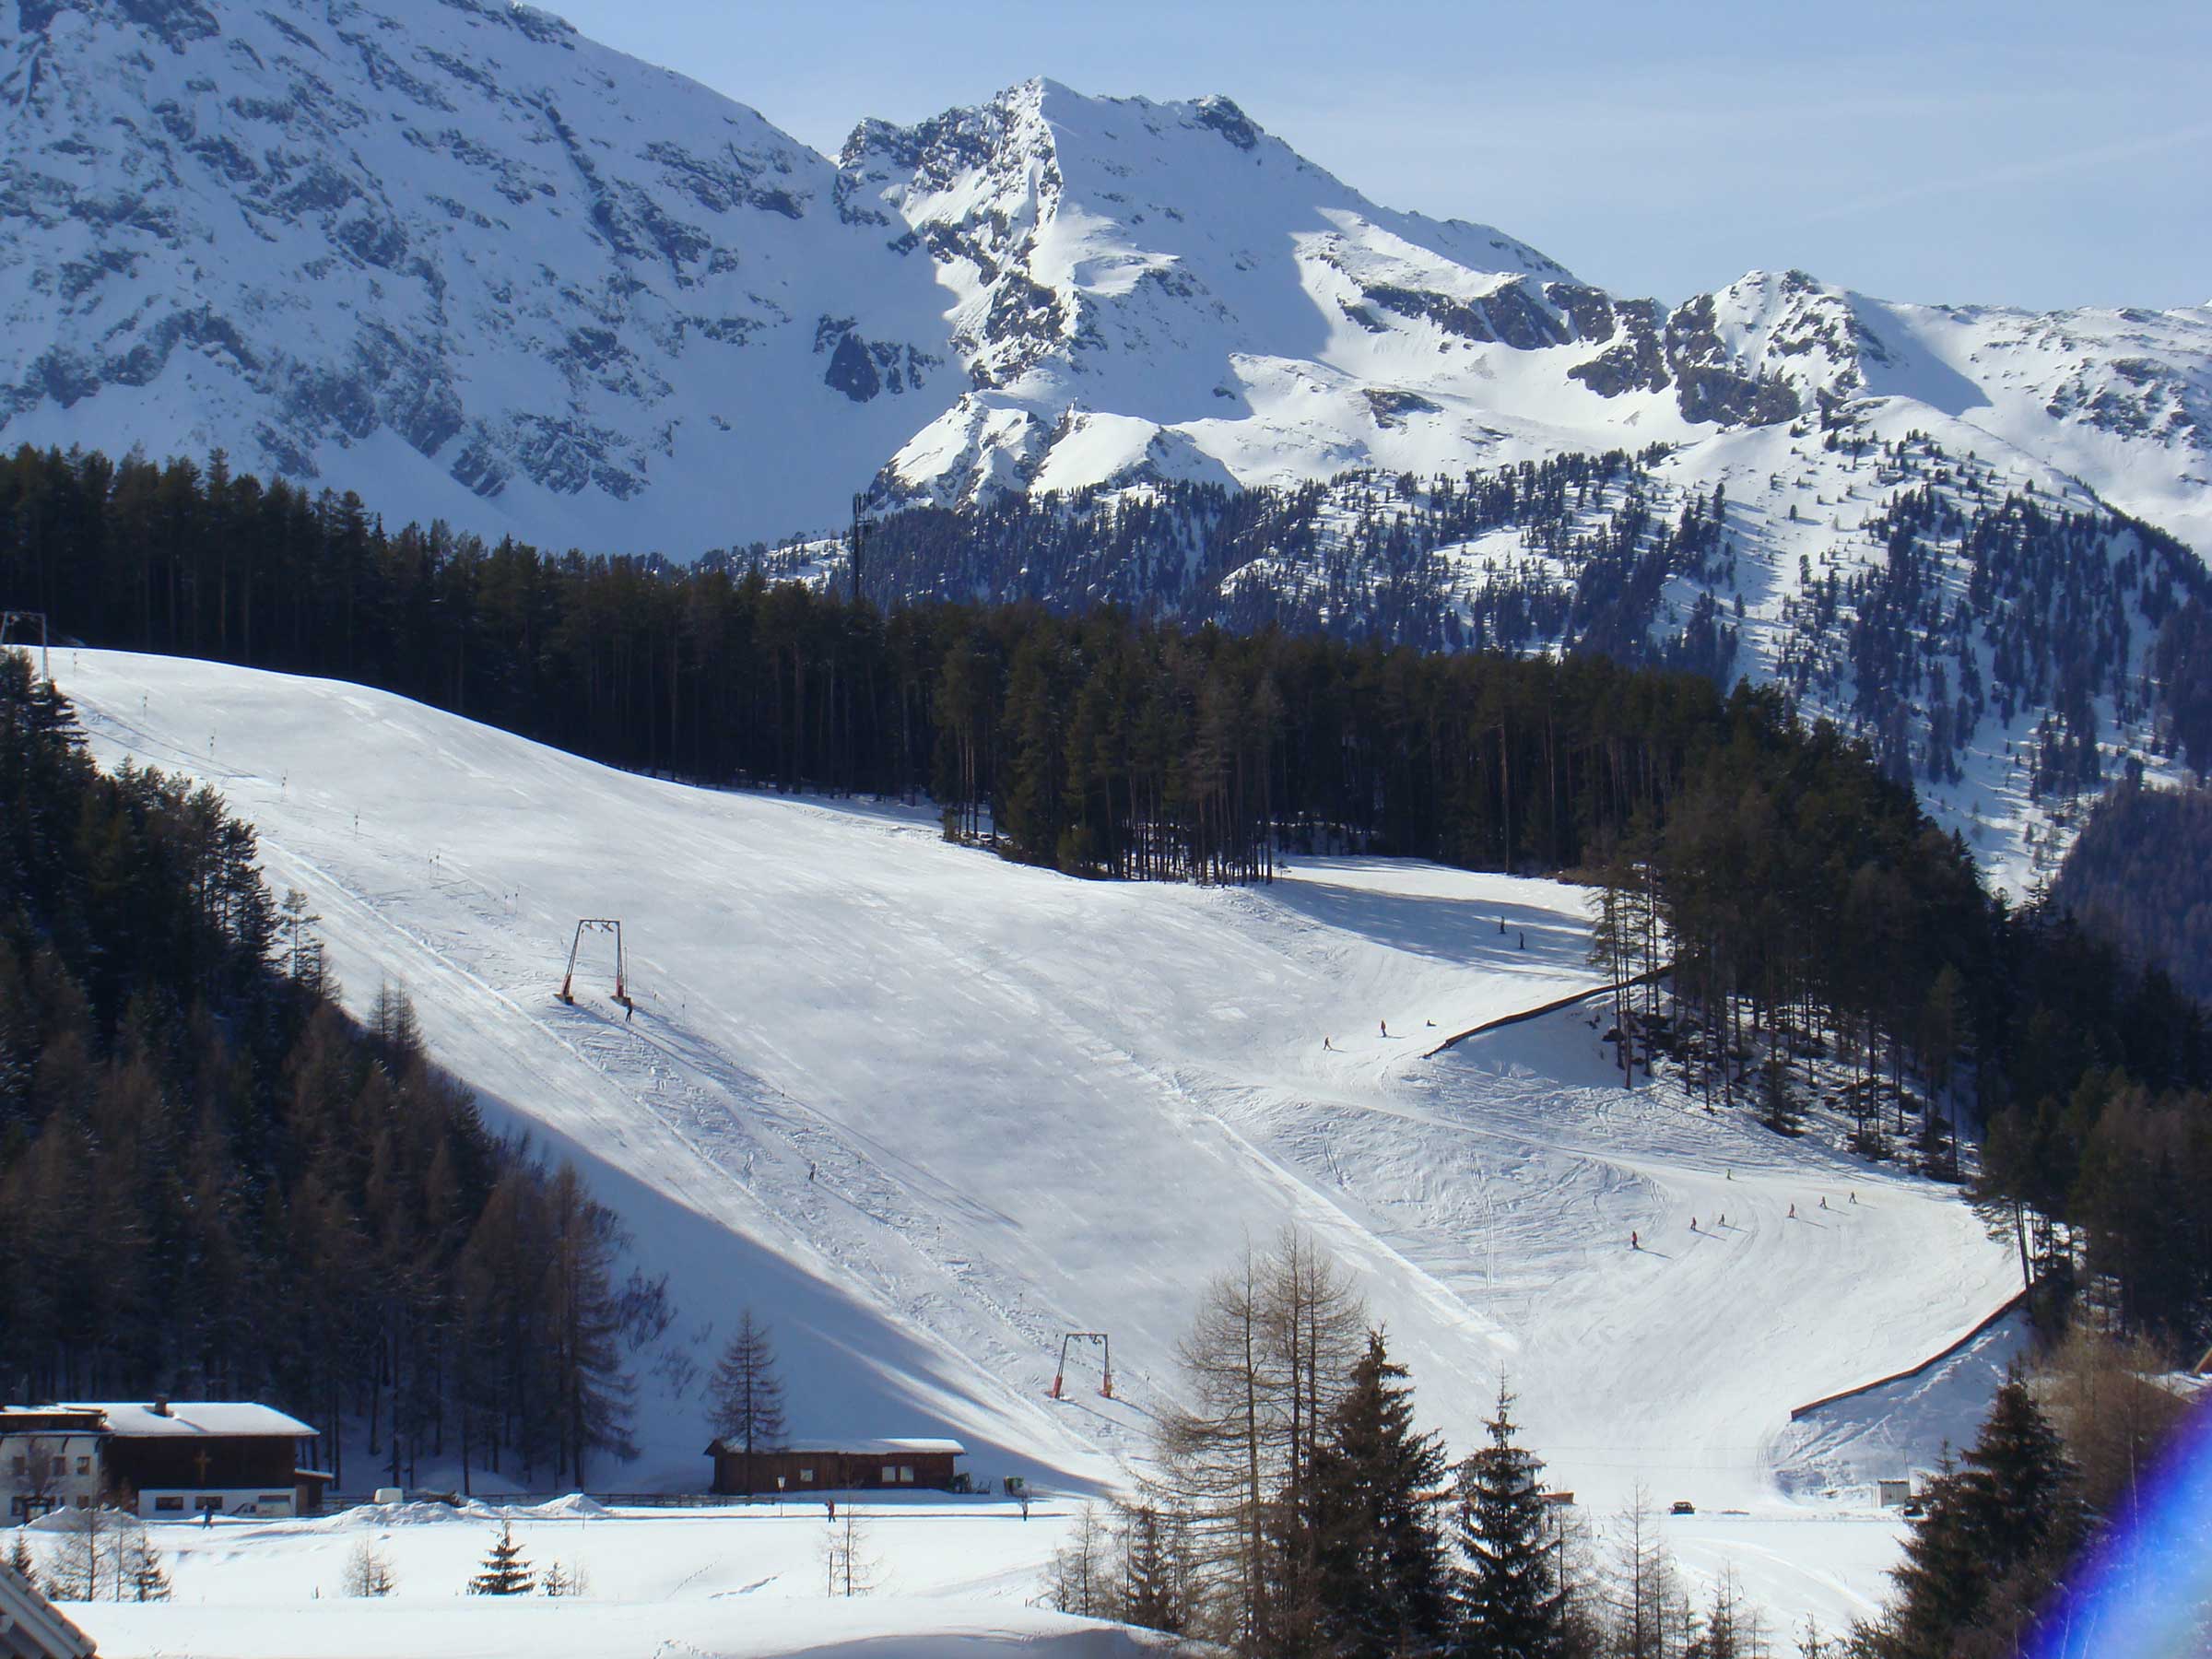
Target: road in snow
<point x="926" y="1110"/>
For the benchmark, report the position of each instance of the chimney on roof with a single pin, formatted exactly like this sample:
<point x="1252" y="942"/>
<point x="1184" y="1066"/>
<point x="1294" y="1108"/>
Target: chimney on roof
<point x="160" y="1405"/>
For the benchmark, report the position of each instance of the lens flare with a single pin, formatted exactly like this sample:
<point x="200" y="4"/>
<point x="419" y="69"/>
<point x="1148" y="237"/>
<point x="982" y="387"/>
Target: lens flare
<point x="2146" y="1591"/>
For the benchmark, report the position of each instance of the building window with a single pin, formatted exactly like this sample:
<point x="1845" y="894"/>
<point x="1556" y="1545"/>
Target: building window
<point x="171" y="1505"/>
<point x="891" y="1474"/>
<point x="208" y="1501"/>
<point x="18" y="1467"/>
<point x="15" y="1507"/>
<point x="83" y="1501"/>
<point x="270" y="1499"/>
<point x="906" y="1475"/>
<point x="806" y="1477"/>
<point x="84" y="1466"/>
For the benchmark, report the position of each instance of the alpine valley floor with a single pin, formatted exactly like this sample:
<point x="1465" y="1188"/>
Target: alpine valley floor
<point x="925" y="1110"/>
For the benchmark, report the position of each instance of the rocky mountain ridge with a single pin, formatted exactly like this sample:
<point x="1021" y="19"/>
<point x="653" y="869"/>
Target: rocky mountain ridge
<point x="453" y="254"/>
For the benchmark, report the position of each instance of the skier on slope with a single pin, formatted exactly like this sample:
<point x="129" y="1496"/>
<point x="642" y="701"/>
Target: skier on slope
<point x="1633" y="1244"/>
<point x="1385" y="1025"/>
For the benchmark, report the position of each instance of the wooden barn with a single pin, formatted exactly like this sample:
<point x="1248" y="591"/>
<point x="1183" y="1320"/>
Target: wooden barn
<point x="849" y="1465"/>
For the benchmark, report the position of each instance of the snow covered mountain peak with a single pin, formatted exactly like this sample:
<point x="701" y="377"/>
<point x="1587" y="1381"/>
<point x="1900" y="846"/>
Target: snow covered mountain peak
<point x="455" y="256"/>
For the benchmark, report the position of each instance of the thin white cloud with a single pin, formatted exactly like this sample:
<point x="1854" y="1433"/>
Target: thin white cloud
<point x="2018" y="172"/>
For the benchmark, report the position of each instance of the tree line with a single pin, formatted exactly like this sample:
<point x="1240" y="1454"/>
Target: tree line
<point x="1298" y="1508"/>
<point x="2140" y="874"/>
<point x="214" y="1182"/>
<point x="1809" y="915"/>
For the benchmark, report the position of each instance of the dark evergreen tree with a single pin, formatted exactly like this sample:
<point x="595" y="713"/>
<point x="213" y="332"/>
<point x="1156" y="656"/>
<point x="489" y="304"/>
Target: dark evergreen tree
<point x="2006" y="1520"/>
<point x="1381" y="1580"/>
<point x="1152" y="1592"/>
<point x="1511" y="1601"/>
<point x="746" y="1395"/>
<point x="505" y="1571"/>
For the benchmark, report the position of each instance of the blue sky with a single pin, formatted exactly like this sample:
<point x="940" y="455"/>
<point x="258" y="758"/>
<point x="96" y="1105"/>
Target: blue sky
<point x="1953" y="151"/>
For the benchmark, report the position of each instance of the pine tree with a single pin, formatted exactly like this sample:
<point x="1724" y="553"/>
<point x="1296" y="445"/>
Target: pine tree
<point x="2006" y="1516"/>
<point x="19" y="1556"/>
<point x="505" y="1571"/>
<point x="1381" y="1582"/>
<point x="1512" y="1603"/>
<point x="1151" y="1589"/>
<point x="747" y="1396"/>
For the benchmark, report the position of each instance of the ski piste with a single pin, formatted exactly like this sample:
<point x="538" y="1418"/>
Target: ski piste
<point x="928" y="1112"/>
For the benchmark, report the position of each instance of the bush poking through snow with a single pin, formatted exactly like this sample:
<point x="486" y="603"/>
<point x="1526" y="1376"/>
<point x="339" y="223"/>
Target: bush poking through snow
<point x="143" y="1578"/>
<point x="845" y="1558"/>
<point x="570" y="1578"/>
<point x="367" y="1570"/>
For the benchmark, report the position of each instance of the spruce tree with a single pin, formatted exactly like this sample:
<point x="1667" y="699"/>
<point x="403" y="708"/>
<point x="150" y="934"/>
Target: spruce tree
<point x="1511" y="1603"/>
<point x="747" y="1396"/>
<point x="505" y="1571"/>
<point x="1151" y="1591"/>
<point x="2008" y="1516"/>
<point x="1381" y="1581"/>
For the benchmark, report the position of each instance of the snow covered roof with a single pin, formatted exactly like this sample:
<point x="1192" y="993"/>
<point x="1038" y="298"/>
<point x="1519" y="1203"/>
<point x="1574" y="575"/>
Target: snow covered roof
<point x="32" y="1624"/>
<point x="138" y="1418"/>
<point x="869" y="1448"/>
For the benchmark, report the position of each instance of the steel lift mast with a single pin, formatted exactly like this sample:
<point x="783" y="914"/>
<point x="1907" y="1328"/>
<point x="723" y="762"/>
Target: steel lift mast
<point x="1105" y="1362"/>
<point x="604" y="924"/>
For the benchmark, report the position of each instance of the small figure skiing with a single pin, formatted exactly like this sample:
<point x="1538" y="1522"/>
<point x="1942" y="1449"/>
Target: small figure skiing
<point x="1792" y="1215"/>
<point x="1385" y="1025"/>
<point x="1326" y="1045"/>
<point x="1824" y="1201"/>
<point x="1693" y="1224"/>
<point x="1855" y="1197"/>
<point x="1634" y="1242"/>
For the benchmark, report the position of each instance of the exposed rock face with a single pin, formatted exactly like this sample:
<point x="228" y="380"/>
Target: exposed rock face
<point x="453" y="254"/>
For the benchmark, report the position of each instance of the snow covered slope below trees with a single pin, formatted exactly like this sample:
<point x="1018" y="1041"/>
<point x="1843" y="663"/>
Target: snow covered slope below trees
<point x="925" y="1110"/>
<point x="461" y="259"/>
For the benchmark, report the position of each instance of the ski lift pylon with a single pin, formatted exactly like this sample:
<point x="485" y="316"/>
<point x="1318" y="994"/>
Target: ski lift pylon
<point x="605" y="925"/>
<point x="1105" y="1362"/>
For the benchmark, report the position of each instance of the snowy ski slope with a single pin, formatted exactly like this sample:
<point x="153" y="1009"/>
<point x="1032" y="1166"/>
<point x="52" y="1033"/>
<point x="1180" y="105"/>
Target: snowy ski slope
<point x="926" y="1110"/>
